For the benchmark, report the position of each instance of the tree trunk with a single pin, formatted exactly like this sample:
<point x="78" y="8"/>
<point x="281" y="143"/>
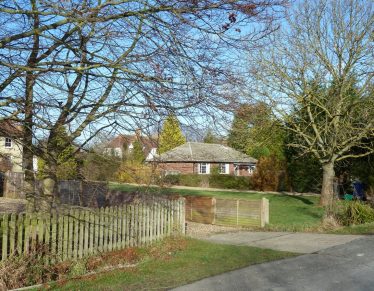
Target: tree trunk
<point x="28" y="150"/>
<point x="49" y="187"/>
<point x="327" y="193"/>
<point x="27" y="156"/>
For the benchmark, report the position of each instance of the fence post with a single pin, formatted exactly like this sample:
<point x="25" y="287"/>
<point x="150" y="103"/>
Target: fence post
<point x="4" y="227"/>
<point x="264" y="212"/>
<point x="20" y="228"/>
<point x="237" y="212"/>
<point x="12" y="233"/>
<point x="214" y="204"/>
<point x="182" y="219"/>
<point x="53" y="236"/>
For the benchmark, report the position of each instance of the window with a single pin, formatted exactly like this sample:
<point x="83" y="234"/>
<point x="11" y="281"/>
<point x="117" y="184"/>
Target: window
<point x="251" y="169"/>
<point x="8" y="142"/>
<point x="204" y="168"/>
<point x="224" y="168"/>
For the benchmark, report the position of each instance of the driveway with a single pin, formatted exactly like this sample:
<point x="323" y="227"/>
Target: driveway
<point x="284" y="241"/>
<point x="347" y="266"/>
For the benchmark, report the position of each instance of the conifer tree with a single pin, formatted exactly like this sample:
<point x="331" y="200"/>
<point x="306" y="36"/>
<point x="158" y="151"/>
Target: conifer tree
<point x="63" y="155"/>
<point x="256" y="133"/>
<point x="210" y="137"/>
<point x="171" y="135"/>
<point x="137" y="155"/>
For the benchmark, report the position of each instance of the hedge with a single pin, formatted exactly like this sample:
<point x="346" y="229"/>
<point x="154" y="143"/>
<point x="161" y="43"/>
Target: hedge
<point x="212" y="181"/>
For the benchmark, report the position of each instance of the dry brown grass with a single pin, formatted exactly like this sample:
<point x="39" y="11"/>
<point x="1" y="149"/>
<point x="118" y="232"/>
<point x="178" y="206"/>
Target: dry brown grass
<point x="329" y="223"/>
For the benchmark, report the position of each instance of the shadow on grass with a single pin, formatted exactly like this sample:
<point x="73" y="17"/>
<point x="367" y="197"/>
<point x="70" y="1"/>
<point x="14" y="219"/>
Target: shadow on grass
<point x="300" y="198"/>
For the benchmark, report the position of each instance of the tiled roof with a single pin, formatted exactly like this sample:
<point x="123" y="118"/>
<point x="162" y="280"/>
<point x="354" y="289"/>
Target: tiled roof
<point x="118" y="142"/>
<point x="9" y="128"/>
<point x="205" y="152"/>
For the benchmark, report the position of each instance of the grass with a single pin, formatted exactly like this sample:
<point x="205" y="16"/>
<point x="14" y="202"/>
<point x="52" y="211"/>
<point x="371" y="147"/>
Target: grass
<point x="175" y="262"/>
<point x="287" y="212"/>
<point x="366" y="229"/>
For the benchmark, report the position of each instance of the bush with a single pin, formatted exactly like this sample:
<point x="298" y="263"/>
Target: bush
<point x="269" y="174"/>
<point x="213" y="181"/>
<point x="191" y="180"/>
<point x="172" y="179"/>
<point x="230" y="182"/>
<point x="137" y="173"/>
<point x="355" y="212"/>
<point x="26" y="269"/>
<point x="97" y="167"/>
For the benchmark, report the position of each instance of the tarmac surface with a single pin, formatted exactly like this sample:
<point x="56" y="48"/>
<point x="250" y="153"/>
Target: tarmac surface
<point x="296" y="242"/>
<point x="337" y="263"/>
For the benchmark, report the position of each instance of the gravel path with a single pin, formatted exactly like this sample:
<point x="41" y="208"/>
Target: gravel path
<point x="199" y="230"/>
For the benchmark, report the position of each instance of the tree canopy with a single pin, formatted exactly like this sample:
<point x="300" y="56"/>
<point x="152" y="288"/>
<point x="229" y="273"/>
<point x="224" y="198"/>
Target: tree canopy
<point x="171" y="135"/>
<point x="319" y="69"/>
<point x="210" y="137"/>
<point x="62" y="161"/>
<point x="137" y="154"/>
<point x="255" y="132"/>
<point x="96" y="65"/>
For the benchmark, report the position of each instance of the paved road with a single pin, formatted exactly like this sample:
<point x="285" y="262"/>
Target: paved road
<point x="347" y="266"/>
<point x="284" y="241"/>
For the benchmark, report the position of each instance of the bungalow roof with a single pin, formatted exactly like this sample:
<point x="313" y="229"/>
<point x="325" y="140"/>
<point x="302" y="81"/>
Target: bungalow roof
<point x="205" y="152"/>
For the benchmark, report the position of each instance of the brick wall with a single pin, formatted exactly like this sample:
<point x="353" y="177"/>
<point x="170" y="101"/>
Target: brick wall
<point x="192" y="168"/>
<point x="182" y="168"/>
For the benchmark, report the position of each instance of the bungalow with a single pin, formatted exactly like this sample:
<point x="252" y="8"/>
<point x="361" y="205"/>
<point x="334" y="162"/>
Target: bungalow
<point x="201" y="158"/>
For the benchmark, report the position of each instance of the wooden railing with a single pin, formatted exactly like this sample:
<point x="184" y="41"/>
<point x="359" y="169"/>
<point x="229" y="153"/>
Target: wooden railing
<point x="76" y="232"/>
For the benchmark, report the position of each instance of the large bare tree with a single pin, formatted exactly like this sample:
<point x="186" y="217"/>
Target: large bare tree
<point x="318" y="76"/>
<point x="89" y="65"/>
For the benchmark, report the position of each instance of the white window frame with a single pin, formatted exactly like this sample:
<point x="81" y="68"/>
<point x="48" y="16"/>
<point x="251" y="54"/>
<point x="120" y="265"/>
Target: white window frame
<point x="207" y="168"/>
<point x="8" y="143"/>
<point x="226" y="168"/>
<point x="251" y="169"/>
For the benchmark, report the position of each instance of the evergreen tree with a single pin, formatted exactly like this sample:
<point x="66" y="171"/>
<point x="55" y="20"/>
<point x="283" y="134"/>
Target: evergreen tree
<point x="171" y="135"/>
<point x="137" y="154"/>
<point x="63" y="155"/>
<point x="239" y="133"/>
<point x="255" y="133"/>
<point x="210" y="137"/>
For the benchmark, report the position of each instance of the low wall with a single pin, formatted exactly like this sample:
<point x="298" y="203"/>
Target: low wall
<point x="72" y="192"/>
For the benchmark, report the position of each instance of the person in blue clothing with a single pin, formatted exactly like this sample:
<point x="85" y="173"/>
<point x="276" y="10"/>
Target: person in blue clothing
<point x="358" y="190"/>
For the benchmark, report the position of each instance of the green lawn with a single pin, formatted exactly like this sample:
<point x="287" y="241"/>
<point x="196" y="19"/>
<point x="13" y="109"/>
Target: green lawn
<point x="367" y="228"/>
<point x="287" y="213"/>
<point x="170" y="267"/>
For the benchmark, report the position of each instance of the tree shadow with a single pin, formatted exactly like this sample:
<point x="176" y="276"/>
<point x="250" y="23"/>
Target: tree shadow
<point x="301" y="198"/>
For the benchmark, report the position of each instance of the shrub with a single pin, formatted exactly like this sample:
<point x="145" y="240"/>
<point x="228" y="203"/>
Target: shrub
<point x="137" y="173"/>
<point x="172" y="179"/>
<point x="213" y="181"/>
<point x="192" y="180"/>
<point x="78" y="268"/>
<point x="26" y="269"/>
<point x="97" y="167"/>
<point x="355" y="212"/>
<point x="230" y="182"/>
<point x="267" y="174"/>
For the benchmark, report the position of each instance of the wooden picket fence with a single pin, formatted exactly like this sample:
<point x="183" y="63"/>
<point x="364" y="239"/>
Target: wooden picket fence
<point x="75" y="233"/>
